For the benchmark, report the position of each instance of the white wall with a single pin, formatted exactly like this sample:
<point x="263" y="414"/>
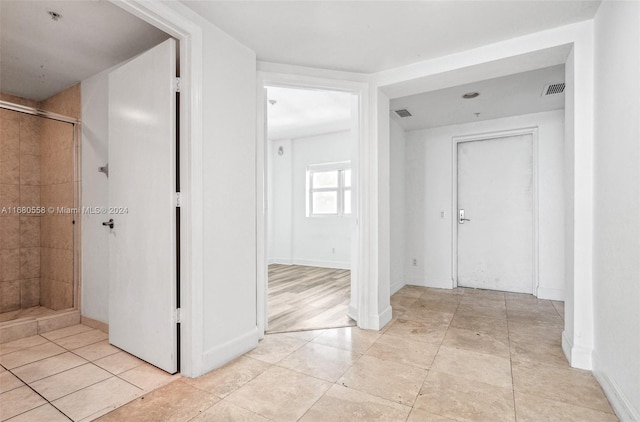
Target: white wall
<point x="616" y="264"/>
<point x="429" y="192"/>
<point x="94" y="238"/>
<point x="298" y="239"/>
<point x="397" y="200"/>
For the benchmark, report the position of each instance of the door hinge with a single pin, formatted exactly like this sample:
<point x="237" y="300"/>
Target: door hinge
<point x="178" y="316"/>
<point x="178" y="202"/>
<point x="177" y="84"/>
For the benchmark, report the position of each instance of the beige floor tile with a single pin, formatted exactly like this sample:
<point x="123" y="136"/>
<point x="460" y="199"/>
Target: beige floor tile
<point x="385" y="379"/>
<point x="8" y="381"/>
<point x="534" y="317"/>
<point x="118" y="362"/>
<point x="543" y="306"/>
<point x="345" y="404"/>
<point x="32" y="354"/>
<point x="405" y="351"/>
<point x="490" y="294"/>
<point x="468" y="310"/>
<point x="23" y="343"/>
<point x="465" y="400"/>
<point x="496" y="326"/>
<point x="490" y="343"/>
<point x="275" y="347"/>
<point x="148" y="377"/>
<point x="228" y="412"/>
<point x="418" y="331"/>
<point x="519" y="331"/>
<point x="446" y="305"/>
<point x="304" y="335"/>
<point x="66" y="332"/>
<point x="474" y="366"/>
<point x="402" y="303"/>
<point x="98" y="399"/>
<point x="572" y="386"/>
<point x="349" y="338"/>
<point x="279" y="394"/>
<point x="96" y="351"/>
<point x="534" y="409"/>
<point x="411" y="291"/>
<point x="49" y="366"/>
<point x="225" y="380"/>
<point x="17" y="401"/>
<point x="174" y="402"/>
<point x="320" y="361"/>
<point x="44" y="413"/>
<point x="493" y="302"/>
<point x="419" y="415"/>
<point x="69" y="381"/>
<point x="533" y="350"/>
<point x="83" y="339"/>
<point x="423" y="314"/>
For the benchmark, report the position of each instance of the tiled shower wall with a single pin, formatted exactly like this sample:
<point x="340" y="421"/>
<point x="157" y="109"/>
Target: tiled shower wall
<point x="19" y="187"/>
<point x="37" y="169"/>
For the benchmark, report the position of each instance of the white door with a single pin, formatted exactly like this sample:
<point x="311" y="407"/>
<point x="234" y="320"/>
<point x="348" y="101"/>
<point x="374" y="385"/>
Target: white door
<point x="142" y="243"/>
<point x="495" y="234"/>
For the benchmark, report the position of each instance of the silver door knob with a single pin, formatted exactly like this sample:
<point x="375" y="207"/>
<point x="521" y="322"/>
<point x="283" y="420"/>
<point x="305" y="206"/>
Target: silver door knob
<point x="109" y="223"/>
<point x="461" y="218"/>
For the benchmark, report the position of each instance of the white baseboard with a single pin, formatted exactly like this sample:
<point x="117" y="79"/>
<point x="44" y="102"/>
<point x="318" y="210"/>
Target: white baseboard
<point x="281" y="261"/>
<point x="352" y="312"/>
<point x="550" y="294"/>
<point x="578" y="356"/>
<point x="423" y="282"/>
<point x="376" y="321"/>
<point x="397" y="286"/>
<point x="217" y="356"/>
<point x="618" y="399"/>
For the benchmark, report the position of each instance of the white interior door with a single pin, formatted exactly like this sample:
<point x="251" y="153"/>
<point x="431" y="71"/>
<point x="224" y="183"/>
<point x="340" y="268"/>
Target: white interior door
<point x="495" y="185"/>
<point x="142" y="243"/>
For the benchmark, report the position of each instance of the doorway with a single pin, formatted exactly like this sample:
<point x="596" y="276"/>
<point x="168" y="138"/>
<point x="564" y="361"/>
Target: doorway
<point x="310" y="195"/>
<point x="496" y="197"/>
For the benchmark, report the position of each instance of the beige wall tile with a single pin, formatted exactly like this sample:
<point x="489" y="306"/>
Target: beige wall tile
<point x="9" y="129"/>
<point x="9" y="264"/>
<point x="29" y="196"/>
<point x="29" y="263"/>
<point x="57" y="264"/>
<point x="9" y="232"/>
<point x="29" y="293"/>
<point x="66" y="102"/>
<point x="9" y="295"/>
<point x="57" y="165"/>
<point x="9" y="195"/>
<point x="29" y="169"/>
<point x="29" y="231"/>
<point x="30" y="127"/>
<point x="9" y="167"/>
<point x="45" y="288"/>
<point x="58" y="195"/>
<point x="61" y="295"/>
<point x="57" y="231"/>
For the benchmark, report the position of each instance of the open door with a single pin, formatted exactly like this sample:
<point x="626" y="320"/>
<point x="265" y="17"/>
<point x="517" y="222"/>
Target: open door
<point x="142" y="198"/>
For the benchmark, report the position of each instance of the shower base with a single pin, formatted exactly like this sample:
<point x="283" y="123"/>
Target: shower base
<point x="37" y="320"/>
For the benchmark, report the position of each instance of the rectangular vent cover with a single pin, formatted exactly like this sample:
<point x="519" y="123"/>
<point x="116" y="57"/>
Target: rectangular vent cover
<point x="553" y="89"/>
<point x="403" y="113"/>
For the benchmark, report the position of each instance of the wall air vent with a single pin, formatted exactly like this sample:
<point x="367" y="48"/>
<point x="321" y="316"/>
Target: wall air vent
<point x="553" y="89"/>
<point x="403" y="113"/>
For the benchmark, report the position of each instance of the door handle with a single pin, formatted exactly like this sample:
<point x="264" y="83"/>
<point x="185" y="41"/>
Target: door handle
<point x="461" y="218"/>
<point x="109" y="223"/>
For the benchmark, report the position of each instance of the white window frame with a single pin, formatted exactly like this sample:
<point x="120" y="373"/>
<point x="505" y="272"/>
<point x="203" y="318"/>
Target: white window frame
<point x="341" y="189"/>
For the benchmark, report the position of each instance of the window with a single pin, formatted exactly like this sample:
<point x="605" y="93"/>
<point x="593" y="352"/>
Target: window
<point x="329" y="189"/>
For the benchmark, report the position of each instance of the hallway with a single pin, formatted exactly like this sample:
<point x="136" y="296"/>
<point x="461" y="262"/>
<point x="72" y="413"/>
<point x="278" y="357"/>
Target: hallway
<point x="465" y="355"/>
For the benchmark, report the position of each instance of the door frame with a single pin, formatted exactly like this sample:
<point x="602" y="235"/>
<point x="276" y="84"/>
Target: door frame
<point x="358" y="307"/>
<point x="533" y="131"/>
<point x="190" y="37"/>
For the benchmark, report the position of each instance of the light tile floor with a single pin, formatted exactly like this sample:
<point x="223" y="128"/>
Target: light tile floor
<point x="447" y="355"/>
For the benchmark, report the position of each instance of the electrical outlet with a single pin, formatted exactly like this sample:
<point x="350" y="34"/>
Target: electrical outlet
<point x="415" y="262"/>
<point x="441" y="214"/>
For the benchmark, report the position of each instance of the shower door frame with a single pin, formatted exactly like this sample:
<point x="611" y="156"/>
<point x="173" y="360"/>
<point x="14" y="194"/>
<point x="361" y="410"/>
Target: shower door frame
<point x="76" y="123"/>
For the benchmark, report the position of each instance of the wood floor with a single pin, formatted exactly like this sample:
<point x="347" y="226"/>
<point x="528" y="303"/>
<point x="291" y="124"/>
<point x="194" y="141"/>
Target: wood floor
<point x="308" y="298"/>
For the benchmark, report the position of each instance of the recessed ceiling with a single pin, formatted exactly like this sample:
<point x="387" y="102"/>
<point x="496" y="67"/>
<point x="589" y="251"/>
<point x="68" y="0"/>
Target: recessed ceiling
<point x="41" y="56"/>
<point x="506" y="96"/>
<point x="370" y="36"/>
<point x="297" y="113"/>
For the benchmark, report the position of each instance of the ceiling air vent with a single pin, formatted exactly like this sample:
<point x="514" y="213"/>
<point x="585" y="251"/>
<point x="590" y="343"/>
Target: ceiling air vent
<point x="403" y="113"/>
<point x="553" y="89"/>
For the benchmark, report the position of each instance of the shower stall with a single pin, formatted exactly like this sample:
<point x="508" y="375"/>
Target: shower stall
<point x="39" y="213"/>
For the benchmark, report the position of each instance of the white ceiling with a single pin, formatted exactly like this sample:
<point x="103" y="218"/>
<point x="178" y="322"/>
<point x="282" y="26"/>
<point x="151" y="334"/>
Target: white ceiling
<point x="298" y="112"/>
<point x="40" y="57"/>
<point x="370" y="36"/>
<point x="499" y="97"/>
